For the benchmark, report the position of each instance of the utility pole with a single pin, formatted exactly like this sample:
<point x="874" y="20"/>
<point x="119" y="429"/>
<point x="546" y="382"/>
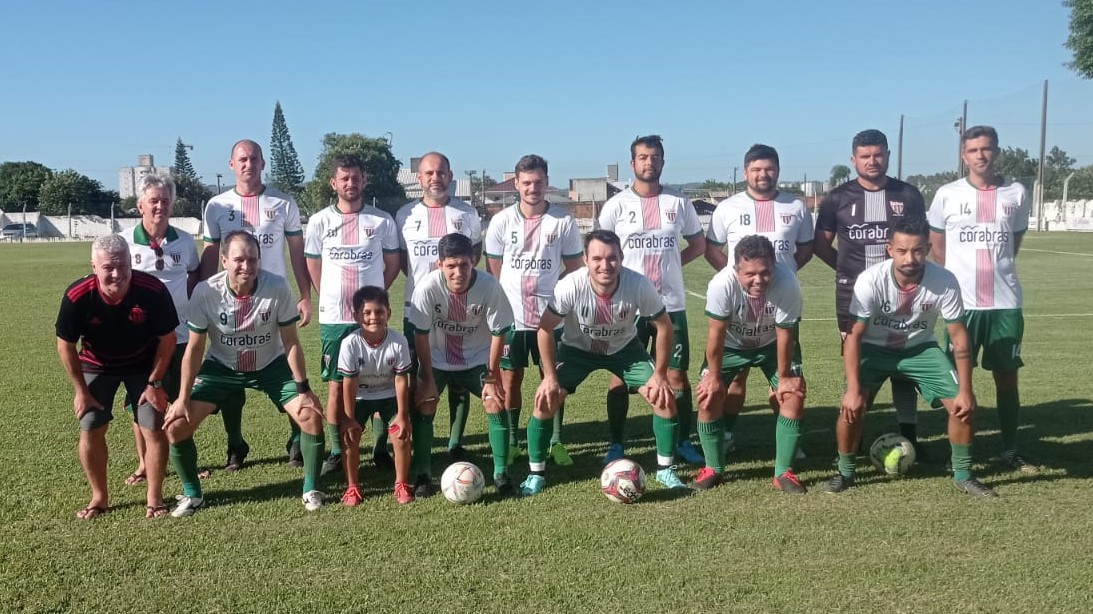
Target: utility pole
<point x="1040" y="225"/>
<point x="899" y="152"/>
<point x="734" y="169"/>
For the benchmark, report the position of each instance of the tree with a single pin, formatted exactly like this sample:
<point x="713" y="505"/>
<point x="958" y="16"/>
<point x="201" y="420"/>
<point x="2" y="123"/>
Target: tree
<point x="191" y="196"/>
<point x="1016" y="164"/>
<point x="479" y="185"/>
<point x="379" y="163"/>
<point x="840" y="173"/>
<point x="285" y="171"/>
<point x="928" y="184"/>
<point x="1080" y="40"/>
<point x="713" y="185"/>
<point x="20" y="185"/>
<point x="84" y="194"/>
<point x="183" y="166"/>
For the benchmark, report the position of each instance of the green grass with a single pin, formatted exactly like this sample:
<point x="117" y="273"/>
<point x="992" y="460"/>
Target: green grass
<point x="911" y="544"/>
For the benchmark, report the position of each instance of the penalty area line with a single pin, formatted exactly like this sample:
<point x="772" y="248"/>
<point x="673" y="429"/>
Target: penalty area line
<point x="1048" y="251"/>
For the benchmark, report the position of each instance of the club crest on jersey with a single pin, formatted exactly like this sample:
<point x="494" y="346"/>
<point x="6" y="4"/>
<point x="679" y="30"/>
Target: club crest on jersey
<point x="551" y="238"/>
<point x="136" y="258"/>
<point x="624" y="312"/>
<point x="476" y="310"/>
<point x="787" y="218"/>
<point x="1008" y="209"/>
<point x="369" y="231"/>
<point x="457" y="223"/>
<point x="768" y="309"/>
<point x="927" y="307"/>
<point x="176" y="257"/>
<point x="136" y="315"/>
<point x="671" y="215"/>
<point x="897" y="207"/>
<point x="264" y="314"/>
<point x="390" y="361"/>
<point x="270" y="214"/>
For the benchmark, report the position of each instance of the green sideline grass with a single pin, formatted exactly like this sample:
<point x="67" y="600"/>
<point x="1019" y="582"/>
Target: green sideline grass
<point x="893" y="545"/>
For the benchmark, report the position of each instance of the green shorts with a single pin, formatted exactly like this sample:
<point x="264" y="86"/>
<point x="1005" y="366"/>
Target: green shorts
<point x="364" y="408"/>
<point x="681" y="339"/>
<point x="519" y="345"/>
<point x="331" y="336"/>
<point x="632" y="364"/>
<point x="216" y="383"/>
<point x="733" y="361"/>
<point x="465" y="379"/>
<point x="171" y="379"/>
<point x="925" y="365"/>
<point x="998" y="332"/>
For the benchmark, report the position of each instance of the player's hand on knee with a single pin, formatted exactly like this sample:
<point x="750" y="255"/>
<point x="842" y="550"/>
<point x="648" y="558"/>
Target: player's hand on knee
<point x="399" y="428"/>
<point x="790" y="386"/>
<point x="157" y="399"/>
<point x="710" y="390"/>
<point x="349" y="431"/>
<point x="83" y="402"/>
<point x="493" y="397"/>
<point x="852" y="407"/>
<point x="309" y="402"/>
<point x="179" y="410"/>
<point x="964" y="407"/>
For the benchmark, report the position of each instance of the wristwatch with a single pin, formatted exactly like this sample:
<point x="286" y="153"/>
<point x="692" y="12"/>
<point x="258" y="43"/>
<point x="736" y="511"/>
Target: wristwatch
<point x="156" y="383"/>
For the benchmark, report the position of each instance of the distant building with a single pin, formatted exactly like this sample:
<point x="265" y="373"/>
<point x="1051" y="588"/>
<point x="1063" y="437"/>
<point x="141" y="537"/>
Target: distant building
<point x="129" y="176"/>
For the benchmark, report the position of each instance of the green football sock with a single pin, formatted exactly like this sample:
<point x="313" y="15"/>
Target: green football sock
<point x="499" y="442"/>
<point x="184" y="459"/>
<point x="231" y="411"/>
<point x="847" y="464"/>
<point x="684" y="413"/>
<point x="618" y="405"/>
<point x="332" y="435"/>
<point x="459" y="402"/>
<point x="728" y="422"/>
<point x="962" y="461"/>
<point x="1009" y="404"/>
<point x="379" y="434"/>
<point x="538" y="440"/>
<point x="666" y="434"/>
<point x="787" y="432"/>
<point x="559" y="417"/>
<point x="711" y="434"/>
<point x="422" y="443"/>
<point x="311" y="448"/>
<point x="513" y="416"/>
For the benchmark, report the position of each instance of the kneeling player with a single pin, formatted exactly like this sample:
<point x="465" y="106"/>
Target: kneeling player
<point x="753" y="309"/>
<point x="252" y="316"/>
<point x="599" y="304"/>
<point x="895" y="306"/>
<point x="374" y="362"/>
<point x="460" y="316"/>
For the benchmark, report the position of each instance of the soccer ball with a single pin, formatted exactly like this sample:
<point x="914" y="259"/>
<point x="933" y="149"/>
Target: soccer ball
<point x="623" y="481"/>
<point x="462" y="483"/>
<point x="892" y="454"/>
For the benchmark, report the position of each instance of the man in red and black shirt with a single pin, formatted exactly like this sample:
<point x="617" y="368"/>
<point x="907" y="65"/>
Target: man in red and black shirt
<point x="859" y="213"/>
<point x="124" y="321"/>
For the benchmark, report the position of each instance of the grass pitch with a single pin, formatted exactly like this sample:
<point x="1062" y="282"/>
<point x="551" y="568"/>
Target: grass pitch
<point x="910" y="544"/>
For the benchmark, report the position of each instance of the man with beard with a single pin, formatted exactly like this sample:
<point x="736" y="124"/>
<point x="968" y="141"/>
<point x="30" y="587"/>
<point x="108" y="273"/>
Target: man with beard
<point x="895" y="306"/>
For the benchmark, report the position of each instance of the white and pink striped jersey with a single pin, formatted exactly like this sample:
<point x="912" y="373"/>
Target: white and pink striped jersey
<point x="460" y="325"/>
<point x="421" y="228"/>
<point x="351" y="247"/>
<point x="649" y="228"/>
<point x="531" y="251"/>
<point x="270" y="216"/>
<point x="603" y="324"/>
<point x="785" y="220"/>
<point x="897" y="318"/>
<point x="244" y="331"/>
<point x="752" y="322"/>
<point x="374" y="366"/>
<point x="980" y="228"/>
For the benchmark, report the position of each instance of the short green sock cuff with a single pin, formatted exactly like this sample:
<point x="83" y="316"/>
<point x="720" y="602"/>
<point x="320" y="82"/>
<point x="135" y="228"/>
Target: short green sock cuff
<point x="712" y="436"/>
<point x="332" y="434"/>
<point x="847" y="464"/>
<point x="962" y="461"/>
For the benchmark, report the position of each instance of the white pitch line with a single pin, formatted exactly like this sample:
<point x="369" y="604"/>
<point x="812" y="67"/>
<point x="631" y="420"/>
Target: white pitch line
<point x="1048" y="251"/>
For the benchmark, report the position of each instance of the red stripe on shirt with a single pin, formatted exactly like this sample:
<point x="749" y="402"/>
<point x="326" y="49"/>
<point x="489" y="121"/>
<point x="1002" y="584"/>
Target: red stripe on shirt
<point x="984" y="278"/>
<point x="529" y="302"/>
<point x="602" y="316"/>
<point x="249" y="205"/>
<point x="79" y="290"/>
<point x="453" y="344"/>
<point x="350" y="278"/>
<point x="243" y="307"/>
<point x="986" y="206"/>
<point x="651" y="266"/>
<point x="438" y="223"/>
<point x="650" y="212"/>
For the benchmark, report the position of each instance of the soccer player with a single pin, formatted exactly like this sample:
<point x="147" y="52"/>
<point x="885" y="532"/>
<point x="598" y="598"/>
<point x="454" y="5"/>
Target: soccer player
<point x="529" y="247"/>
<point x="763" y="210"/>
<point x="599" y="304"/>
<point x="976" y="227"/>
<point x="348" y="245"/>
<point x="753" y="310"/>
<point x="374" y="362"/>
<point x="649" y="219"/>
<point x="421" y="224"/>
<point x="170" y="255"/>
<point x="859" y="213"/>
<point x="274" y="218"/>
<point x="247" y="317"/>
<point x="124" y="322"/>
<point x="895" y="306"/>
<point x="460" y="317"/>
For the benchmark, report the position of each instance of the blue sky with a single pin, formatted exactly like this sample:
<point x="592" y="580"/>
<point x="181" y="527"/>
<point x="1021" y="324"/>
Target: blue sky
<point x="91" y="85"/>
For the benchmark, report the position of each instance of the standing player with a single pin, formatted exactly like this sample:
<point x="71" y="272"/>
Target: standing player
<point x="374" y="362"/>
<point x="529" y="247"/>
<point x="759" y="210"/>
<point x="649" y="219"/>
<point x="599" y="305"/>
<point x="421" y="224"/>
<point x="859" y="212"/>
<point x="460" y="317"/>
<point x="348" y="246"/>
<point x="274" y="219"/>
<point x="753" y="310"/>
<point x="125" y="322"/>
<point x="247" y="317"/>
<point x="976" y="227"/>
<point x="170" y="255"/>
<point x="895" y="307"/>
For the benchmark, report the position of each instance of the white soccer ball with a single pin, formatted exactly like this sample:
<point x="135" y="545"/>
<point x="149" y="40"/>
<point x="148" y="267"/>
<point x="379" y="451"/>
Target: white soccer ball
<point x="462" y="483"/>
<point x="893" y="454"/>
<point x="623" y="481"/>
